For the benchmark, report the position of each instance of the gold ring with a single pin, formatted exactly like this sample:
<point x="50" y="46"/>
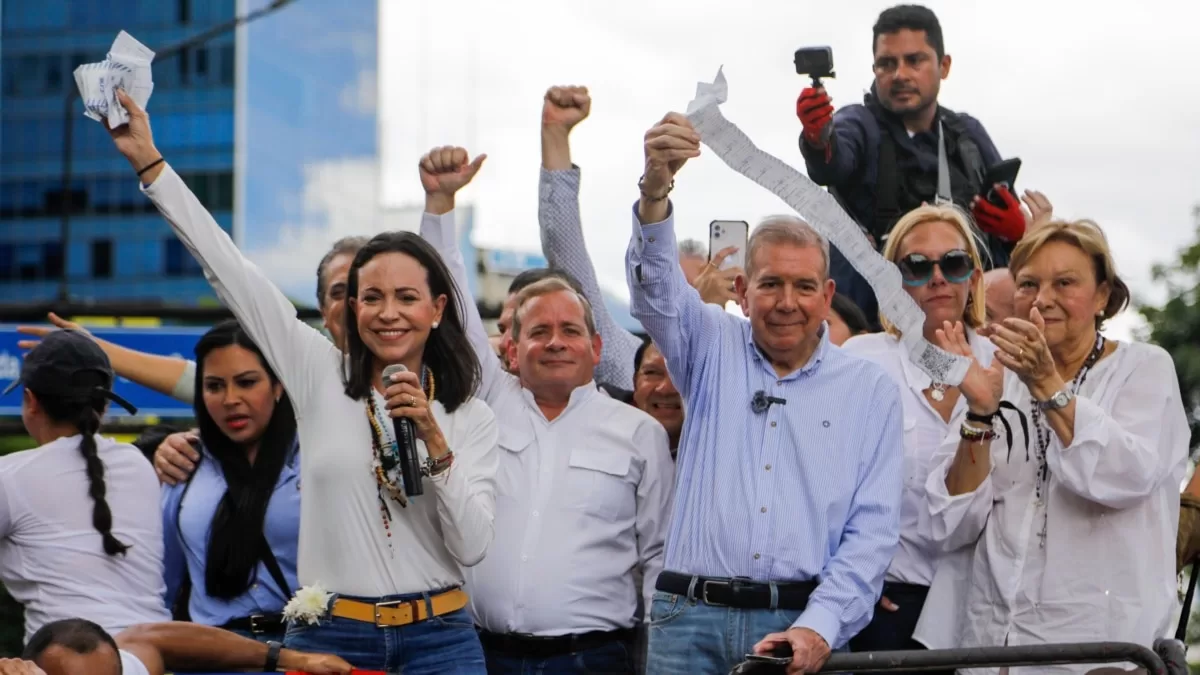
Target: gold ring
<point x="1020" y="353"/>
<point x="412" y="401"/>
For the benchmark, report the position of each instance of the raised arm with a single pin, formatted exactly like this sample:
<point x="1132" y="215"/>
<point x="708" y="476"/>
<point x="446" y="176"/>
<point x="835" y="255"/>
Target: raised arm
<point x="290" y="345"/>
<point x="444" y="171"/>
<point x="180" y="646"/>
<point x="169" y="375"/>
<point x="670" y="310"/>
<point x="562" y="231"/>
<point x="837" y="154"/>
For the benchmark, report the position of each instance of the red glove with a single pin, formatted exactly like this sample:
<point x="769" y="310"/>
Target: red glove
<point x="1008" y="222"/>
<point x="815" y="110"/>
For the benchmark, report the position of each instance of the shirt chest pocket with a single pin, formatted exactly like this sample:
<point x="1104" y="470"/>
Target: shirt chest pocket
<point x="602" y="483"/>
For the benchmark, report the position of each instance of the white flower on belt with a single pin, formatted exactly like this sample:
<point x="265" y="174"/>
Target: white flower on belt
<point x="309" y="605"/>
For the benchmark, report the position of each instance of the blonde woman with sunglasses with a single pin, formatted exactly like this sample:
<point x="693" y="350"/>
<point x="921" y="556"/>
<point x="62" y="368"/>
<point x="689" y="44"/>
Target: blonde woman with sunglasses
<point x="935" y="249"/>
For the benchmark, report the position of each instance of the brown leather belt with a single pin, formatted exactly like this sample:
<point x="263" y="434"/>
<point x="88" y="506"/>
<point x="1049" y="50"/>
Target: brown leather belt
<point x="400" y="612"/>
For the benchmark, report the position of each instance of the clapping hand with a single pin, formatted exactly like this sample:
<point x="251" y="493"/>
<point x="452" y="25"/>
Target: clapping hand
<point x="1021" y="347"/>
<point x="982" y="387"/>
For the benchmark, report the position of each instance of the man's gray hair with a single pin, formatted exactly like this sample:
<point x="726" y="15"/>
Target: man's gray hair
<point x="784" y="229"/>
<point x="693" y="247"/>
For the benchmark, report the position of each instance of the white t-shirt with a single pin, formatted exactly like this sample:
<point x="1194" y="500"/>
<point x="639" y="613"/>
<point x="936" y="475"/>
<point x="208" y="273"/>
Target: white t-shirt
<point x="132" y="665"/>
<point x="52" y="559"/>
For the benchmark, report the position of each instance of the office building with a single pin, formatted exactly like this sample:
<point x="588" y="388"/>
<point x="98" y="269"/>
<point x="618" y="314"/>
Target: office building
<point x="241" y="117"/>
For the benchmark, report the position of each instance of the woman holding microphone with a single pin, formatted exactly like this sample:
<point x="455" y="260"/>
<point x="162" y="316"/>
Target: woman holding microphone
<point x="380" y="567"/>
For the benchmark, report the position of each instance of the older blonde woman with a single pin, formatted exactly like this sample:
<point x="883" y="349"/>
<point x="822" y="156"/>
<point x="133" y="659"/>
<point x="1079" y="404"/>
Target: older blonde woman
<point x="935" y="249"/>
<point x="1073" y="527"/>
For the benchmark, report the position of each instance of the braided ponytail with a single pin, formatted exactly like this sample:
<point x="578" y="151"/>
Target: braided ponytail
<point x="102" y="520"/>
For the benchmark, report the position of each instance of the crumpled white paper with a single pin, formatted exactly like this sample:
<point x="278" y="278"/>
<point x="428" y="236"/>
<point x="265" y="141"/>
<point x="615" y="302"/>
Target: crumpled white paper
<point x="127" y="67"/>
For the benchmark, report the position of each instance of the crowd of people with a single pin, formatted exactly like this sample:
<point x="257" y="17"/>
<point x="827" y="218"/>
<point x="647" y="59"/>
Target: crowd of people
<point x="786" y="483"/>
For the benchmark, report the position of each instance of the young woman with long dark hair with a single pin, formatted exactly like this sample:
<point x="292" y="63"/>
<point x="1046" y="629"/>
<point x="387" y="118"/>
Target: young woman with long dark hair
<point x="381" y="566"/>
<point x="231" y="529"/>
<point x="79" y="530"/>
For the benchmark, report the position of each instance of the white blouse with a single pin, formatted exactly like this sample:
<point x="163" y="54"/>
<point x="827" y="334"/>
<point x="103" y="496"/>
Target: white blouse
<point x="343" y="545"/>
<point x="1105" y="568"/>
<point x="924" y="431"/>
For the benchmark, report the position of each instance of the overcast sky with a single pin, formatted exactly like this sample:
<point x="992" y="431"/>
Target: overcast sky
<point x="1101" y="106"/>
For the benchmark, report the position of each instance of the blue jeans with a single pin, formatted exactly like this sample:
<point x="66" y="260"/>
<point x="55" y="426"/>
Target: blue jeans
<point x="688" y="637"/>
<point x="442" y="644"/>
<point x="613" y="658"/>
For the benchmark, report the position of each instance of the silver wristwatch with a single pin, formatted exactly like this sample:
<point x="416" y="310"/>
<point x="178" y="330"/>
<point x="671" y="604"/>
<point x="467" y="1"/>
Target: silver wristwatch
<point x="1058" y="401"/>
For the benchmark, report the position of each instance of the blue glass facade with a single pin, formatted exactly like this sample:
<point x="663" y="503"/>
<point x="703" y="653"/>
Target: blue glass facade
<point x="246" y="118"/>
<point x="117" y="247"/>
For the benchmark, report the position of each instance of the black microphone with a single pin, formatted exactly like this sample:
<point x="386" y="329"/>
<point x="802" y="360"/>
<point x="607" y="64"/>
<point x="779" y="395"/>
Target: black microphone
<point x="761" y="402"/>
<point x="410" y="461"/>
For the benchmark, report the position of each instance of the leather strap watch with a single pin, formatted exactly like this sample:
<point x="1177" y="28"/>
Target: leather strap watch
<point x="1058" y="400"/>
<point x="272" y="664"/>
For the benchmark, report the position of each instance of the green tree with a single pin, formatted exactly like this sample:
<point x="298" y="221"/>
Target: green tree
<point x="1175" y="326"/>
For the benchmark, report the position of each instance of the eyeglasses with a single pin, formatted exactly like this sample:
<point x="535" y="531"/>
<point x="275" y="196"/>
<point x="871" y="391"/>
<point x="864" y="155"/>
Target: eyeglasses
<point x="917" y="270"/>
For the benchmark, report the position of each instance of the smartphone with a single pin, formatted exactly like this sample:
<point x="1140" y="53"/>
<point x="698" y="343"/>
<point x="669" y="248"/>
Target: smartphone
<point x="725" y="233"/>
<point x="1003" y="173"/>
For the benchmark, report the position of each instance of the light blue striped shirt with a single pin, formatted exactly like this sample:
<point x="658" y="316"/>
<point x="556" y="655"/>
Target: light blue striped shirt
<point x="807" y="490"/>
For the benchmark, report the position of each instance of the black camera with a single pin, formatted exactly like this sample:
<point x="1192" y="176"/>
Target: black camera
<point x="816" y="62"/>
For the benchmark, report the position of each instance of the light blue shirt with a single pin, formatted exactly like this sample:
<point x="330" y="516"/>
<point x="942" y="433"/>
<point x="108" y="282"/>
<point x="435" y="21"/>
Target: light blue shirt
<point x="808" y="490"/>
<point x="186" y="528"/>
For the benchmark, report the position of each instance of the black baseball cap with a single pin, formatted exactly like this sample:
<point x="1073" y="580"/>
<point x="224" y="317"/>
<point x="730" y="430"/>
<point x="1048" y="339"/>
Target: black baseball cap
<point x="53" y="368"/>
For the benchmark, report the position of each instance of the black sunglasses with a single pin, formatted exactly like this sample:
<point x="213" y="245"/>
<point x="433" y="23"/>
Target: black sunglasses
<point x="917" y="270"/>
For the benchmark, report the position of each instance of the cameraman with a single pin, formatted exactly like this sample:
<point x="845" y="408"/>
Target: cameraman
<point x="881" y="158"/>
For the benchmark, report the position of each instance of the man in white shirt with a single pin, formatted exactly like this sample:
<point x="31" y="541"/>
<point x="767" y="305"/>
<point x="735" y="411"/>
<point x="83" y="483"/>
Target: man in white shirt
<point x="80" y="647"/>
<point x="584" y="483"/>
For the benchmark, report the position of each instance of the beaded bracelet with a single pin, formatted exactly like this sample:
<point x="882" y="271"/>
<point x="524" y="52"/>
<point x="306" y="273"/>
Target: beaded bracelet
<point x="976" y="435"/>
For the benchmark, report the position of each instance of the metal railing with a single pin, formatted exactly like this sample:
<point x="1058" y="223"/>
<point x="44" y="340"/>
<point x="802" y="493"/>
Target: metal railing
<point x="1167" y="658"/>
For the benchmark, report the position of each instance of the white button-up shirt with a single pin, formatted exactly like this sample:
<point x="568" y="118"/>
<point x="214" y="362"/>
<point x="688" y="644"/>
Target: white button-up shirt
<point x="1106" y="571"/>
<point x="582" y="501"/>
<point x="924" y="431"/>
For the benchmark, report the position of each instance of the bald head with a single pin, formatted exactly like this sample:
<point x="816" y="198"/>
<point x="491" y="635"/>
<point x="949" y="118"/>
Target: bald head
<point x="1000" y="288"/>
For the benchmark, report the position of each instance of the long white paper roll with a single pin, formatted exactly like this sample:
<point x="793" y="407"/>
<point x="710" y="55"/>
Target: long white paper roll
<point x="820" y="210"/>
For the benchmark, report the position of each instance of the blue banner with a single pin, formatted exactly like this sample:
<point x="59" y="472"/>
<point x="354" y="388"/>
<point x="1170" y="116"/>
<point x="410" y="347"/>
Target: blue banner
<point x="177" y="342"/>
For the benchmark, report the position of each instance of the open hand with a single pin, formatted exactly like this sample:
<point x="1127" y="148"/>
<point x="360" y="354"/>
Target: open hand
<point x="1021" y="346"/>
<point x="1039" y="210"/>
<point x="318" y="664"/>
<point x="564" y="107"/>
<point x="714" y="284"/>
<point x="42" y="331"/>
<point x="447" y="169"/>
<point x="19" y="667"/>
<point x="982" y="387"/>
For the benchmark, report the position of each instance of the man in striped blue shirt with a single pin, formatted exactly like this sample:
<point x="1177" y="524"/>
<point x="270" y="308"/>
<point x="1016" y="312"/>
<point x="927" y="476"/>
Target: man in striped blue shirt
<point x="790" y="463"/>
